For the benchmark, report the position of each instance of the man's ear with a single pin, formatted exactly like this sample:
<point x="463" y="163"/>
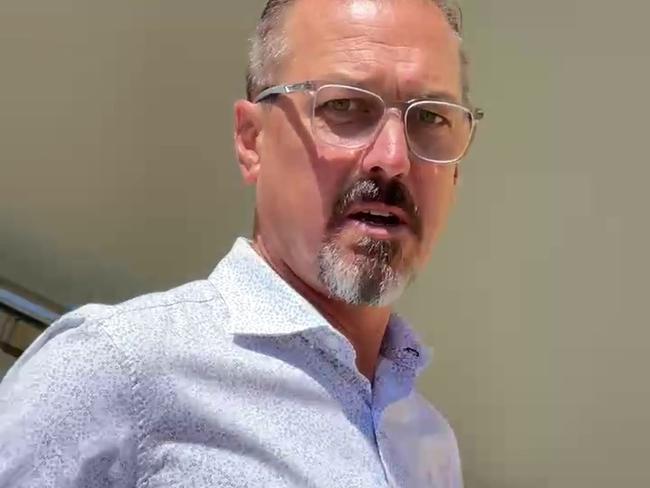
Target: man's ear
<point x="247" y="132"/>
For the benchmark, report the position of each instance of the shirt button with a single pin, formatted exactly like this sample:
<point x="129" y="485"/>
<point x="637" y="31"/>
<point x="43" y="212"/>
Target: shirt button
<point x="412" y="352"/>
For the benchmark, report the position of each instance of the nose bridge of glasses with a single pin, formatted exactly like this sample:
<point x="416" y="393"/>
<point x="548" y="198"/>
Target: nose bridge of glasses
<point x="397" y="110"/>
<point x="393" y="126"/>
<point x="393" y="114"/>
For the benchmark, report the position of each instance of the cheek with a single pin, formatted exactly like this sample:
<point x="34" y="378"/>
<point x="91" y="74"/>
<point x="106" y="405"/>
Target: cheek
<point x="435" y="194"/>
<point x="285" y="182"/>
<point x="298" y="184"/>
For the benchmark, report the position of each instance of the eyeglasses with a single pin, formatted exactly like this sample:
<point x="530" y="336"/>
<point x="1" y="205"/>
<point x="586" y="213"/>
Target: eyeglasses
<point x="350" y="117"/>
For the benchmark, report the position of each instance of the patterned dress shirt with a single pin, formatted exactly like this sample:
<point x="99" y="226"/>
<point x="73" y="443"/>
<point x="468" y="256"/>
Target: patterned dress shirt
<point x="234" y="381"/>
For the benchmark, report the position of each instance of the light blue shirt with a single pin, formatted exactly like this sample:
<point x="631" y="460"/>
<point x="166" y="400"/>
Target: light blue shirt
<point x="234" y="381"/>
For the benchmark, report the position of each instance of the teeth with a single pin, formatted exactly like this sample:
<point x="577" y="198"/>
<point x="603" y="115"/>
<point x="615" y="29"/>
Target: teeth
<point x="379" y="214"/>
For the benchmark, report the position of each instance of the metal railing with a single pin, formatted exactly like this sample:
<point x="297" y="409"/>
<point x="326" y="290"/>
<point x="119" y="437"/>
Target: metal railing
<point x="23" y="316"/>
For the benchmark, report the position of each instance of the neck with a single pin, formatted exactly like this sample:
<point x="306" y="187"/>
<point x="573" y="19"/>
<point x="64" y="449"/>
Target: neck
<point x="363" y="326"/>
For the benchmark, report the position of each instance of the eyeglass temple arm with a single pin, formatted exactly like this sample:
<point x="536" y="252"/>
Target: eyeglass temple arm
<point x="283" y="90"/>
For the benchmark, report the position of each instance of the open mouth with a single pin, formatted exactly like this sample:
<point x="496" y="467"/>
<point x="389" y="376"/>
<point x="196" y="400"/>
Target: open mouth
<point x="376" y="218"/>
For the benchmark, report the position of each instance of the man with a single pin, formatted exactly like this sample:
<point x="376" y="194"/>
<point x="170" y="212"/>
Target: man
<point x="286" y="366"/>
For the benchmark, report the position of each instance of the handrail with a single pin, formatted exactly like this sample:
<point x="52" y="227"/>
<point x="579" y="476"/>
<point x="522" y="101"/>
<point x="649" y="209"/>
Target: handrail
<point x="22" y="306"/>
<point x="28" y="304"/>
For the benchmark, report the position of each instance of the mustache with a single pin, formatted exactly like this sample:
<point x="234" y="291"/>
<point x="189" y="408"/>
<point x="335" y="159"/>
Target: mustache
<point x="373" y="190"/>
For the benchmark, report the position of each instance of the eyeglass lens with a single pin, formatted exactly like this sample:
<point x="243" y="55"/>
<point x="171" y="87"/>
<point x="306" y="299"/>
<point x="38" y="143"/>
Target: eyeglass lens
<point x="349" y="117"/>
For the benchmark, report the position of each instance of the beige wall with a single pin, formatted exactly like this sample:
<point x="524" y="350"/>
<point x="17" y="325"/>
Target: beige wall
<point x="117" y="177"/>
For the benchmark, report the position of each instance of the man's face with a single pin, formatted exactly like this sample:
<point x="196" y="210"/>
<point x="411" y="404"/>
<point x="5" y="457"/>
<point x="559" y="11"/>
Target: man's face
<point x="321" y="208"/>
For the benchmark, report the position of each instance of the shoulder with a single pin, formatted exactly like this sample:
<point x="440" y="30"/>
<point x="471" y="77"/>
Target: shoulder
<point x="417" y="413"/>
<point x="69" y="398"/>
<point x="90" y="378"/>
<point x="431" y="415"/>
<point x="189" y="300"/>
<point x="144" y="317"/>
<point x="428" y="436"/>
<point x="424" y="442"/>
<point x="183" y="315"/>
<point x="439" y="441"/>
<point x="104" y="343"/>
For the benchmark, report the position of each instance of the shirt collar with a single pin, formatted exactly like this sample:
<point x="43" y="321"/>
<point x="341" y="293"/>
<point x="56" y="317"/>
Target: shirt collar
<point x="403" y="346"/>
<point x="261" y="303"/>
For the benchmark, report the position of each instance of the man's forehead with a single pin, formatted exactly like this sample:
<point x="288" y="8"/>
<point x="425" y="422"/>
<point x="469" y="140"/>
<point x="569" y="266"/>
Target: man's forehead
<point x="315" y="12"/>
<point x="366" y="40"/>
<point x="361" y="9"/>
<point x="325" y="25"/>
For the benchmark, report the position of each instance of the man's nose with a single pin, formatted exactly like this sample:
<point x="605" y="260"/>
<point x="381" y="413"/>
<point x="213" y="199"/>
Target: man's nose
<point x="389" y="151"/>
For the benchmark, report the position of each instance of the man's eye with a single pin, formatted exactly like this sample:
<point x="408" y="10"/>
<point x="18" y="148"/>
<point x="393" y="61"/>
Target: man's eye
<point x="429" y="117"/>
<point x="340" y="105"/>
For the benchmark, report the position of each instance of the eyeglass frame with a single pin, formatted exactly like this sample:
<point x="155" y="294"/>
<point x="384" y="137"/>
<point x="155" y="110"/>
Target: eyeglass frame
<point x="313" y="86"/>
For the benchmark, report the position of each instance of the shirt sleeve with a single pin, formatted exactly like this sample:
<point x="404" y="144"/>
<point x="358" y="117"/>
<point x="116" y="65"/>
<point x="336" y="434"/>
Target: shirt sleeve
<point x="67" y="412"/>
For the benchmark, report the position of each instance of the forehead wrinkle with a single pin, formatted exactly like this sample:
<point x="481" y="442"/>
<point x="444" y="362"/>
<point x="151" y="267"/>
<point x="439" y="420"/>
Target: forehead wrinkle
<point x="361" y="50"/>
<point x="394" y="70"/>
<point x="373" y="60"/>
<point x="386" y="35"/>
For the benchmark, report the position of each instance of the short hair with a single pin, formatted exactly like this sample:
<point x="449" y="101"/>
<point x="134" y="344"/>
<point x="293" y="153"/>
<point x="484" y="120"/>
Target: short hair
<point x="269" y="45"/>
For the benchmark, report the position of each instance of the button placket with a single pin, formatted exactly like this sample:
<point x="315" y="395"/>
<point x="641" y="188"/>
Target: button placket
<point x="341" y="355"/>
<point x="382" y="446"/>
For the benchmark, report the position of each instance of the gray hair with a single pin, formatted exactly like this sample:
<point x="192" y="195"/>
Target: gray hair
<point x="269" y="45"/>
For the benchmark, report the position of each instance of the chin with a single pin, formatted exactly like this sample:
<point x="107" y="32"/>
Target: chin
<point x="365" y="270"/>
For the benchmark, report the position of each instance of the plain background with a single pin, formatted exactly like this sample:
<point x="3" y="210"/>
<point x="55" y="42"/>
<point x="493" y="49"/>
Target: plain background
<point x="117" y="177"/>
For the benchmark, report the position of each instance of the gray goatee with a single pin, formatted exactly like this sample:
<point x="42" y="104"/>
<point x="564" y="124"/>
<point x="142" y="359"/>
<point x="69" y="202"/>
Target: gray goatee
<point x="370" y="276"/>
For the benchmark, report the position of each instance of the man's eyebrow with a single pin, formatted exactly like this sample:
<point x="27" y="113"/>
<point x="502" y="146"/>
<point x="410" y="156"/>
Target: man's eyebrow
<point x="442" y="96"/>
<point x="364" y="82"/>
<point x="345" y="79"/>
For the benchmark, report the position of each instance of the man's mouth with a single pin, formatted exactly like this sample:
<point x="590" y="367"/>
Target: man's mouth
<point x="376" y="218"/>
<point x="378" y="210"/>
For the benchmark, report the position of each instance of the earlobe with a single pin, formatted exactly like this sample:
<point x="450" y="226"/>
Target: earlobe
<point x="247" y="133"/>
